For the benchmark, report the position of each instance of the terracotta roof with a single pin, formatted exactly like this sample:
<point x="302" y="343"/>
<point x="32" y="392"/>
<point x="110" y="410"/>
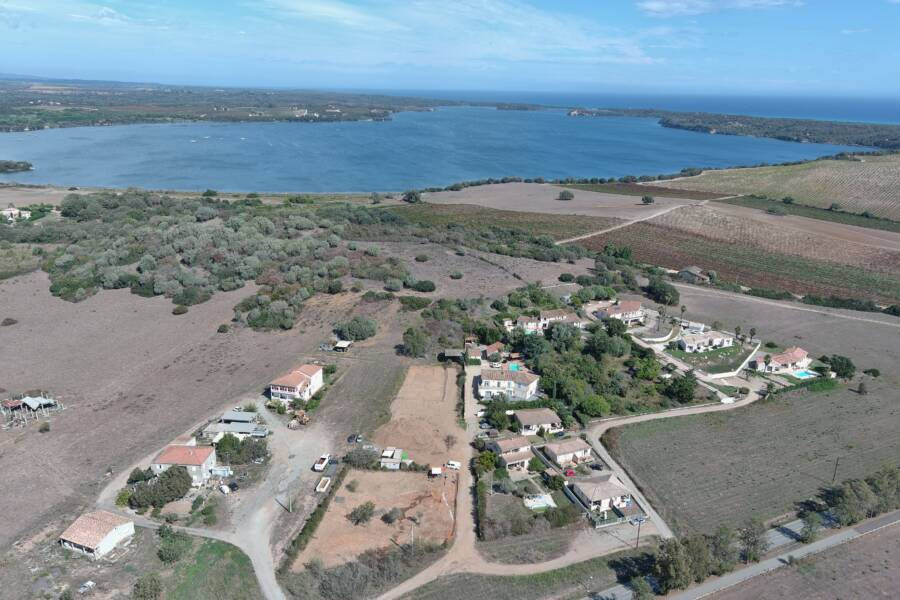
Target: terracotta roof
<point x="299" y="377"/>
<point x="522" y="377"/>
<point x="515" y="457"/>
<point x="791" y="355"/>
<point x="626" y="306"/>
<point x="557" y="313"/>
<point x="537" y="416"/>
<point x="89" y="529"/>
<point x="568" y="446"/>
<point x="511" y="444"/>
<point x="602" y="488"/>
<point x="495" y="347"/>
<point x="183" y="455"/>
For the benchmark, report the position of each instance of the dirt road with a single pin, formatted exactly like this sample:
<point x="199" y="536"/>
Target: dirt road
<point x="646" y="217"/>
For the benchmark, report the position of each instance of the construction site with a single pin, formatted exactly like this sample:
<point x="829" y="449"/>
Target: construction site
<point x="29" y="409"/>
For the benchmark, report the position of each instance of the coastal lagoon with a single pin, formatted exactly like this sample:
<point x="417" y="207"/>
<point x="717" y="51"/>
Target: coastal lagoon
<point x="414" y="150"/>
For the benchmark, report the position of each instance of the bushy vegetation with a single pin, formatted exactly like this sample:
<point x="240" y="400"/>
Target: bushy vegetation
<point x="232" y="451"/>
<point x="171" y="484"/>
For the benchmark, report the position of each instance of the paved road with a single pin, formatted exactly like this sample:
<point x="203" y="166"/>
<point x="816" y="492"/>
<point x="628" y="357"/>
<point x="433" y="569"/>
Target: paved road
<point x="777" y="537"/>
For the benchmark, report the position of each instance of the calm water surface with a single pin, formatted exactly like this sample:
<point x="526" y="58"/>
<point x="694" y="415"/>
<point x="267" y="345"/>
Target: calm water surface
<point x="412" y="151"/>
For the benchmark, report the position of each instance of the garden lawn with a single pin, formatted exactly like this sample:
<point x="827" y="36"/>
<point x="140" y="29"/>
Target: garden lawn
<point x="719" y="360"/>
<point x="215" y="571"/>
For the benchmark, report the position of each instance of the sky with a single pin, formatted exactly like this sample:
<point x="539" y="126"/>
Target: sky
<point x="751" y="47"/>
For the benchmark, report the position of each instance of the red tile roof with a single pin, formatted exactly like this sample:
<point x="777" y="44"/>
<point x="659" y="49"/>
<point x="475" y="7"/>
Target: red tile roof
<point x="625" y="306"/>
<point x="299" y="377"/>
<point x="522" y="377"/>
<point x="789" y="356"/>
<point x="183" y="455"/>
<point x="89" y="529"/>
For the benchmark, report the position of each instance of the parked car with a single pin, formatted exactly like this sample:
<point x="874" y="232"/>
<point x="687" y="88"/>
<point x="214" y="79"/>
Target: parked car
<point x="453" y="464"/>
<point x="322" y="463"/>
<point x="233" y="486"/>
<point x="496" y="365"/>
<point x="597" y="466"/>
<point x="86" y="587"/>
<point x="224" y="489"/>
<point x="570" y="473"/>
<point x="484" y="425"/>
<point x="480" y="413"/>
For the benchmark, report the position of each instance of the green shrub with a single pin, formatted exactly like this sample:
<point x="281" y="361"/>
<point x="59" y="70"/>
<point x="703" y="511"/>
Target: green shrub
<point x="223" y="328"/>
<point x="456" y="275"/>
<point x="414" y="302"/>
<point x="357" y="328"/>
<point x="147" y="587"/>
<point x="362" y="514"/>
<point x="180" y="310"/>
<point x="424" y="285"/>
<point x="422" y="258"/>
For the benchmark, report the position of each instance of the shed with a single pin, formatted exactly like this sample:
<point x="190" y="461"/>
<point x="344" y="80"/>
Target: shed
<point x="238" y="416"/>
<point x="95" y="534"/>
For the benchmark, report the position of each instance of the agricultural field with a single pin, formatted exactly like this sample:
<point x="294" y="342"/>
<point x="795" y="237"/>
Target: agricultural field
<point x="776" y="210"/>
<point x="568" y="583"/>
<point x="747" y="265"/>
<point x="556" y="226"/>
<point x="870" y="184"/>
<point x="861" y="568"/>
<point x="722" y="468"/>
<point x="644" y="189"/>
<point x="542" y="198"/>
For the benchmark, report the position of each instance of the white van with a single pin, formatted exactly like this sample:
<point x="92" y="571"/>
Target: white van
<point x="455" y="465"/>
<point x="224" y="489"/>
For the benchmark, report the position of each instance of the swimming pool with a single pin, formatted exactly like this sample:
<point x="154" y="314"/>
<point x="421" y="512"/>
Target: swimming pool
<point x="513" y="367"/>
<point x="805" y="374"/>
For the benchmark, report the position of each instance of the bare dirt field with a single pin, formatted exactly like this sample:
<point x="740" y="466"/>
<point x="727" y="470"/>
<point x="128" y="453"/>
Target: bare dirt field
<point x="644" y="189"/>
<point x="864" y="568"/>
<point x="541" y="198"/>
<point x="423" y="415"/>
<point x="428" y="501"/>
<point x="25" y="195"/>
<point x="867" y="185"/>
<point x="133" y="376"/>
<point x="840" y="232"/>
<point x="483" y="273"/>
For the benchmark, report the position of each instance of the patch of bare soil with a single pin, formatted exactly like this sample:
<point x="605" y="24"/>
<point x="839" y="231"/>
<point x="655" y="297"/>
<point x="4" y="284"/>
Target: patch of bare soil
<point x="542" y="198"/>
<point x="25" y="195"/>
<point x="868" y="567"/>
<point x="423" y="416"/>
<point x="426" y="505"/>
<point x="133" y="376"/>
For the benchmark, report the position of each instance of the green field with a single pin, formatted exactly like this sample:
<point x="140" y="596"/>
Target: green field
<point x="723" y="468"/>
<point x="215" y="571"/>
<point x="812" y="212"/>
<point x="720" y="360"/>
<point x="568" y="583"/>
<point x="857" y="186"/>
<point x="557" y="226"/>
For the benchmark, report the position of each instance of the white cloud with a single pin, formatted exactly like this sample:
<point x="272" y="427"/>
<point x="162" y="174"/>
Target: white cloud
<point x="856" y="31"/>
<point x="331" y="11"/>
<point x="675" y="8"/>
<point x="101" y="15"/>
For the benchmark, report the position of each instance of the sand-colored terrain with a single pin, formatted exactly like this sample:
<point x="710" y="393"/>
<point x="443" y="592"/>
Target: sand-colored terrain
<point x="422" y="416"/>
<point x="542" y="198"/>
<point x="133" y="376"/>
<point x="427" y="506"/>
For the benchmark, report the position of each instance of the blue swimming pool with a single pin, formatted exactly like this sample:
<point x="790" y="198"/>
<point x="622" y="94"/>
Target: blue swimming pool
<point x="805" y="374"/>
<point x="513" y="366"/>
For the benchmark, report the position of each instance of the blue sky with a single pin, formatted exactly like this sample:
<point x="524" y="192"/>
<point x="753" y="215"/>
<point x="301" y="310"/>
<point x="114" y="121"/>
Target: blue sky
<point x="792" y="47"/>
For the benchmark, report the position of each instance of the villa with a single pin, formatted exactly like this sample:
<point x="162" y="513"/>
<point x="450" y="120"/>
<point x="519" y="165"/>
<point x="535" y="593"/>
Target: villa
<point x="300" y="384"/>
<point x="533" y="420"/>
<point x="631" y="312"/>
<point x="703" y="342"/>
<point x="792" y="359"/>
<point x="198" y="460"/>
<point x="516" y="383"/>
<point x="602" y="494"/>
<point x="514" y="453"/>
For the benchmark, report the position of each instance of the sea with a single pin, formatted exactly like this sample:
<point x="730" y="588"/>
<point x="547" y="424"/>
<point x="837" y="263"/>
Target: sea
<point x="421" y="149"/>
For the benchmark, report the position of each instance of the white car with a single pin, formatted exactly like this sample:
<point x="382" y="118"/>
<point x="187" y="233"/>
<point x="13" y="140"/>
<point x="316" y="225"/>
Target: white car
<point x="322" y="463"/>
<point x="453" y="464"/>
<point x="224" y="489"/>
<point x="496" y="365"/>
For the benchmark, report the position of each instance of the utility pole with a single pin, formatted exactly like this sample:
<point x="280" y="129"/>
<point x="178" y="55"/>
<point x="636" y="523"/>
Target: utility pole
<point x="638" y="540"/>
<point x="834" y="475"/>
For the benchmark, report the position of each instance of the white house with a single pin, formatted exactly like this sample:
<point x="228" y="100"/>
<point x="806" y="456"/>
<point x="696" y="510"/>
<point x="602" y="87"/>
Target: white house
<point x="95" y="534"/>
<point x="546" y="318"/>
<point x="631" y="312"/>
<point x="514" y="452"/>
<point x="14" y="214"/>
<point x="701" y="342"/>
<point x="602" y="494"/>
<point x="519" y="384"/>
<point x="300" y="384"/>
<point x="792" y="359"/>
<point x="198" y="460"/>
<point x="568" y="452"/>
<point x="392" y="458"/>
<point x="532" y="420"/>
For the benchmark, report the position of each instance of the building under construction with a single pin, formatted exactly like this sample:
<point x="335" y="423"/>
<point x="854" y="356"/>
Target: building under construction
<point x="25" y="410"/>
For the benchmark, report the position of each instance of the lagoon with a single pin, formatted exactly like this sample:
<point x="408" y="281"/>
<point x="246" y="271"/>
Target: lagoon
<point x="414" y="150"/>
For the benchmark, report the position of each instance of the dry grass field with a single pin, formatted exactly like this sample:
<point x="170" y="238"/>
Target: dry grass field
<point x="743" y="263"/>
<point x="542" y="198"/>
<point x="723" y="468"/>
<point x="134" y="376"/>
<point x="772" y="236"/>
<point x="864" y="568"/>
<point x="644" y="189"/>
<point x="429" y="501"/>
<point x="871" y="185"/>
<point x="555" y="225"/>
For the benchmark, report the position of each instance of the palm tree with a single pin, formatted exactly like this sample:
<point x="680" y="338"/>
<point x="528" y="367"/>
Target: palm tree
<point x="683" y="310"/>
<point x="767" y="359"/>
